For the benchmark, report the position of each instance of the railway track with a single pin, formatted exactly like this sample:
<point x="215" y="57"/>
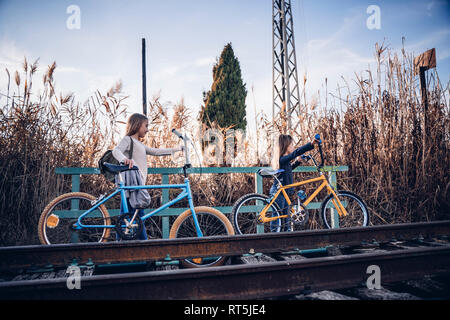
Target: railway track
<point x="402" y="252"/>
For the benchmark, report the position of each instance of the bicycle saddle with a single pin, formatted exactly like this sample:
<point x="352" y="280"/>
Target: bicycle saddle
<point x="113" y="168"/>
<point x="268" y="172"/>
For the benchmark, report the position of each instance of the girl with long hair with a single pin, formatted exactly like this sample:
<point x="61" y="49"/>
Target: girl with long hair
<point x="284" y="154"/>
<point x="137" y="128"/>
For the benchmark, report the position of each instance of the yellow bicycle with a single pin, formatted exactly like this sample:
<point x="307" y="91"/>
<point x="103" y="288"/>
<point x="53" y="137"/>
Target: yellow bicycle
<point x="339" y="209"/>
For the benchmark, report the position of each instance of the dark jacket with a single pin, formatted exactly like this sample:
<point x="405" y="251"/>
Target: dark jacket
<point x="286" y="177"/>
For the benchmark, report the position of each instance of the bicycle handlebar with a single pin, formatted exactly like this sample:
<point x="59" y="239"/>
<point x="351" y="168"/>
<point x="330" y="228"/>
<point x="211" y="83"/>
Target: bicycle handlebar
<point x="309" y="157"/>
<point x="317" y="137"/>
<point x="179" y="135"/>
<point x="185" y="138"/>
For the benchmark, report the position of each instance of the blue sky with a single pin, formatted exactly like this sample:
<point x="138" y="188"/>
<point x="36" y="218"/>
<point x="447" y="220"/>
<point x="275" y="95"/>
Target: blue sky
<point x="185" y="37"/>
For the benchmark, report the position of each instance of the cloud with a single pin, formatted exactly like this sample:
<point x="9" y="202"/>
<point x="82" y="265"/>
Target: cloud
<point x="169" y="71"/>
<point x="10" y="54"/>
<point x="205" y="61"/>
<point x="430" y="6"/>
<point x="187" y="70"/>
<point x="332" y="58"/>
<point x="431" y="40"/>
<point x="12" y="58"/>
<point x="67" y="78"/>
<point x="68" y="69"/>
<point x="187" y="78"/>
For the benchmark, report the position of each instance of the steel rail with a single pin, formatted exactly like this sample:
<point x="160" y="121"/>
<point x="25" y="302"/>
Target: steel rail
<point x="242" y="281"/>
<point x="19" y="257"/>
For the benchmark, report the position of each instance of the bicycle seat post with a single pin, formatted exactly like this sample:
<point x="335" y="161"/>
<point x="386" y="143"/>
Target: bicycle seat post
<point x="278" y="181"/>
<point x="187" y="162"/>
<point x="185" y="167"/>
<point x="120" y="178"/>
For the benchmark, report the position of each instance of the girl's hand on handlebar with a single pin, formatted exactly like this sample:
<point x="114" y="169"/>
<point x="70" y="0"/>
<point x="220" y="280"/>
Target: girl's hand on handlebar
<point x="315" y="142"/>
<point x="129" y="162"/>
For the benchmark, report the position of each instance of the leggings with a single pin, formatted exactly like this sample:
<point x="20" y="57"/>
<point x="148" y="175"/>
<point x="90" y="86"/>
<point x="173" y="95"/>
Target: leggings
<point x="282" y="203"/>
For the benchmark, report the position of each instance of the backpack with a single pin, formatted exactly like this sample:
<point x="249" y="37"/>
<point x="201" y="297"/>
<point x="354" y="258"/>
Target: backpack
<point x="109" y="158"/>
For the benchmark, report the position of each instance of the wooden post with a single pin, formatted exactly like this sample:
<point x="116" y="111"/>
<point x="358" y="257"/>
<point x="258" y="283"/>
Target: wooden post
<point x="423" y="89"/>
<point x="165" y="198"/>
<point x="74" y="206"/>
<point x="422" y="63"/>
<point x="259" y="189"/>
<point x="334" y="213"/>
<point x="75" y="203"/>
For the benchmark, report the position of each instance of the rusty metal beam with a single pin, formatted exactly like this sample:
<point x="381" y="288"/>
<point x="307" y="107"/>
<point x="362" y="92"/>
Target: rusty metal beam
<point x="242" y="281"/>
<point x="12" y="258"/>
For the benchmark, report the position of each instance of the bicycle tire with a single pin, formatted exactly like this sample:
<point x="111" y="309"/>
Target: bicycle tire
<point x="199" y="211"/>
<point x="67" y="196"/>
<point x="342" y="194"/>
<point x="241" y="200"/>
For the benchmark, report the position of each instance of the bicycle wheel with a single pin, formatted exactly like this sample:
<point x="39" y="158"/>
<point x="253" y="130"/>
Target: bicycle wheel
<point x="57" y="219"/>
<point x="358" y="214"/>
<point x="212" y="223"/>
<point x="245" y="213"/>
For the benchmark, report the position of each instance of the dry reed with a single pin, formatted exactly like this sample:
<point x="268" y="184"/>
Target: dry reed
<point x="377" y="131"/>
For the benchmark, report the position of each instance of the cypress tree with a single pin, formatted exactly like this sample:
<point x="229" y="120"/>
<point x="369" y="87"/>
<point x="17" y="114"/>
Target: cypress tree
<point x="225" y="102"/>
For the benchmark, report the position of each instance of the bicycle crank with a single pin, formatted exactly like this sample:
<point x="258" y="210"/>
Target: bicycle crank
<point x="300" y="216"/>
<point x="129" y="226"/>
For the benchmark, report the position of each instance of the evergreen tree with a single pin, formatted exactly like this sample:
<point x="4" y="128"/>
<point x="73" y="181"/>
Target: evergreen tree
<point x="225" y="102"/>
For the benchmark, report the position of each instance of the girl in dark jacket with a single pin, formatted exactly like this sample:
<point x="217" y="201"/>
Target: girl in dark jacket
<point x="285" y="153"/>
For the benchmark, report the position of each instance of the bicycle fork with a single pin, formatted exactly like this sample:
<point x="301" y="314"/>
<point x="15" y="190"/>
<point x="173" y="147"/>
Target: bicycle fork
<point x="335" y="200"/>
<point x="191" y="206"/>
<point x="337" y="203"/>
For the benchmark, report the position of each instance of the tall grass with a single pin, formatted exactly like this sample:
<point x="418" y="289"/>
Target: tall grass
<point x="376" y="129"/>
<point x="38" y="136"/>
<point x="399" y="167"/>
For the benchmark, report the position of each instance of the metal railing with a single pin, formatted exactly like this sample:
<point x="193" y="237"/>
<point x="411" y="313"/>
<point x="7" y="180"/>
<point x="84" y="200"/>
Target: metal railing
<point x="166" y="172"/>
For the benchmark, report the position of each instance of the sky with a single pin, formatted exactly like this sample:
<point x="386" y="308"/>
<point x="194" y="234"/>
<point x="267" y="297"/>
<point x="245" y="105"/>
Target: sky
<point x="184" y="39"/>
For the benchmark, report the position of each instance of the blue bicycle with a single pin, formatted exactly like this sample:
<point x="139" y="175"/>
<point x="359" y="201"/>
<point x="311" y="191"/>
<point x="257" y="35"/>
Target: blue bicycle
<point x="80" y="217"/>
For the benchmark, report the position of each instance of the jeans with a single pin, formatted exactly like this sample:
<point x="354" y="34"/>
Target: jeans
<point x="282" y="203"/>
<point x="143" y="235"/>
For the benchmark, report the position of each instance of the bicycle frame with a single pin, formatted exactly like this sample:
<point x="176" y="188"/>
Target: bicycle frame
<point x="186" y="193"/>
<point x="282" y="190"/>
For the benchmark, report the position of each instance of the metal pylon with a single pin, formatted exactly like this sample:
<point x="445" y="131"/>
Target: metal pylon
<point x="285" y="91"/>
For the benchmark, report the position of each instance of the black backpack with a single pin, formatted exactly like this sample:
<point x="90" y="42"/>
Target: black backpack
<point x="109" y="158"/>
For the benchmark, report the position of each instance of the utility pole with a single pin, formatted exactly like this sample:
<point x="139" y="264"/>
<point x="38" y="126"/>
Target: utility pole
<point x="285" y="90"/>
<point x="144" y="80"/>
